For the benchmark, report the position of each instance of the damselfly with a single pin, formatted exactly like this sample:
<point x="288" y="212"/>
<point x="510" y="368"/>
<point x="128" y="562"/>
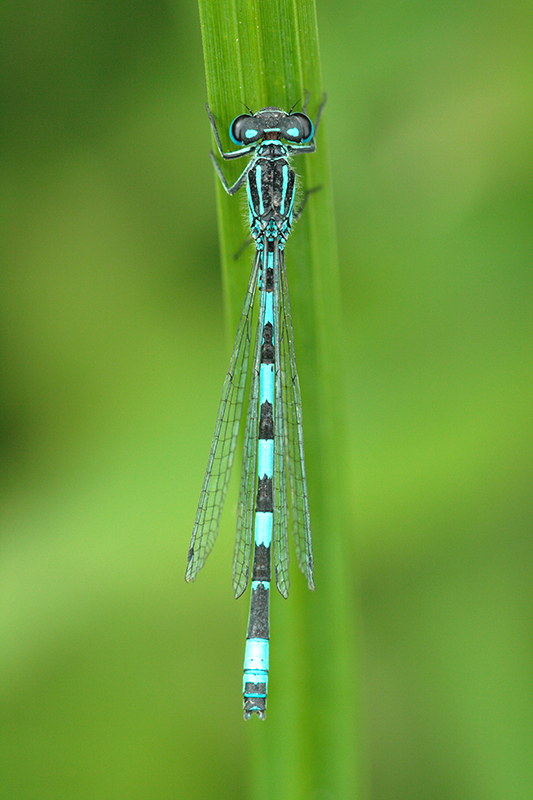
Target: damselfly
<point x="273" y="437"/>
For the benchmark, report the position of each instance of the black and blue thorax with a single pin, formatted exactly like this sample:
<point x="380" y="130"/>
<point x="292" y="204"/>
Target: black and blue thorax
<point x="271" y="187"/>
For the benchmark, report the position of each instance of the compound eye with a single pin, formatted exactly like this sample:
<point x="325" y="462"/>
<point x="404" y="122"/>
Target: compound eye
<point x="298" y="128"/>
<point x="245" y="130"/>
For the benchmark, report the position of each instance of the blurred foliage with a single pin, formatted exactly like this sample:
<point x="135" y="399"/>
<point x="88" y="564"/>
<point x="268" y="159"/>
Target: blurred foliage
<point x="113" y="353"/>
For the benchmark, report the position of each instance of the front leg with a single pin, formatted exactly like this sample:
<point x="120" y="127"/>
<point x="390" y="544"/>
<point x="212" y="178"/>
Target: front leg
<point x="311" y="146"/>
<point x="322" y="104"/>
<point x="236" y="153"/>
<point x="240" y="180"/>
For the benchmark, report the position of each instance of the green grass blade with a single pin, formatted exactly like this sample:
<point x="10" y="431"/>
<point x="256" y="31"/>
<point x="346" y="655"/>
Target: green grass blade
<point x="265" y="52"/>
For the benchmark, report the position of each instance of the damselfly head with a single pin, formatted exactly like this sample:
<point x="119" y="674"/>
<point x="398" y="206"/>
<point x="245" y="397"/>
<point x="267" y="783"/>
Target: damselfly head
<point x="271" y="123"/>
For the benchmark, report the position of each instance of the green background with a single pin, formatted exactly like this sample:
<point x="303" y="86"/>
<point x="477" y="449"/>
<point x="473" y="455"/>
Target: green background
<point x="117" y="679"/>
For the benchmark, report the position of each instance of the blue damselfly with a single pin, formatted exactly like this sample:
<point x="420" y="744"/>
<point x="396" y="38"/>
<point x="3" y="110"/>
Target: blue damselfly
<point x="273" y="436"/>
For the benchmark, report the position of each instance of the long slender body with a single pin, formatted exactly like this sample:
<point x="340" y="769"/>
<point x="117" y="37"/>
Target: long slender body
<point x="273" y="440"/>
<point x="256" y="661"/>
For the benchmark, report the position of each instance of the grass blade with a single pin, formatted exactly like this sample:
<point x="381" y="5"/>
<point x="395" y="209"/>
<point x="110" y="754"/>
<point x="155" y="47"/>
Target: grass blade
<point x="260" y="53"/>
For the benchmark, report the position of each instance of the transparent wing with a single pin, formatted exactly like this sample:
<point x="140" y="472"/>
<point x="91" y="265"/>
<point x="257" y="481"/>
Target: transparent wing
<point x="222" y="451"/>
<point x="293" y="437"/>
<point x="246" y="507"/>
<point x="279" y="486"/>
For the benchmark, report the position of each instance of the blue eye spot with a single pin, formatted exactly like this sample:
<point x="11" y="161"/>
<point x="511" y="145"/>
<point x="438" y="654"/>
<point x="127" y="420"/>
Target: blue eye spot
<point x="250" y="133"/>
<point x="293" y="132"/>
